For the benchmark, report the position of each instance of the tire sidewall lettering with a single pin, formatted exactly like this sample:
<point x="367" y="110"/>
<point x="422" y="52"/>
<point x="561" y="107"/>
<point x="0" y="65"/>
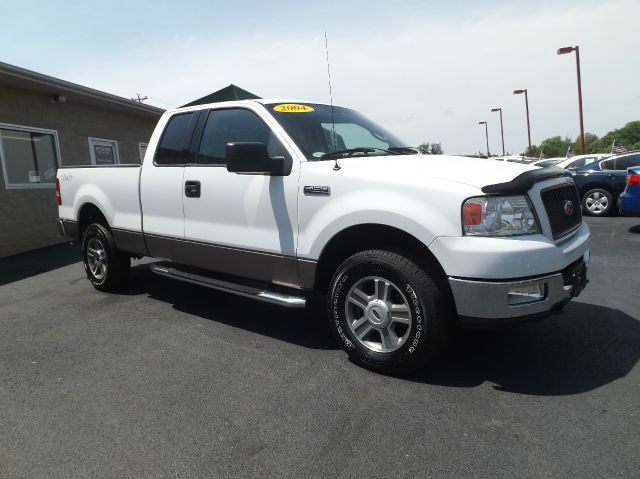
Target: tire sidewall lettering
<point x="419" y="326"/>
<point x="335" y="300"/>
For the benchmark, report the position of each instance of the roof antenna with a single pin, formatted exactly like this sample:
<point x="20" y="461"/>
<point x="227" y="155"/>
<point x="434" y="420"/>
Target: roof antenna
<point x="336" y="166"/>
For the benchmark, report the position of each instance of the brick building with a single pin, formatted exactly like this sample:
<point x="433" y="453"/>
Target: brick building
<point x="46" y="122"/>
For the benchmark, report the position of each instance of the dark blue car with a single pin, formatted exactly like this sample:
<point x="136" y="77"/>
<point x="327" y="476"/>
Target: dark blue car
<point x="629" y="201"/>
<point x="601" y="182"/>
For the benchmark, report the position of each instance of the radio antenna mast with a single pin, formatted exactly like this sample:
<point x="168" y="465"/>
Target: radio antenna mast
<point x="336" y="166"/>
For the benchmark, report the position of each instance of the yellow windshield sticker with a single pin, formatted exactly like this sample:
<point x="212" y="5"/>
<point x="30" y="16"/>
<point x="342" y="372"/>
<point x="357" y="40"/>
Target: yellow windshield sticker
<point x="292" y="108"/>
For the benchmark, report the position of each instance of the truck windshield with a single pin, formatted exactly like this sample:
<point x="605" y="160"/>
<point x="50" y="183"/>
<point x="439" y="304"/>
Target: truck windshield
<point x="311" y="126"/>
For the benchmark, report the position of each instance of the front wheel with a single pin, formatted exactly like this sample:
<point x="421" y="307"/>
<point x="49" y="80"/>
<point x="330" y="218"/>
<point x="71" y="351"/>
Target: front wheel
<point x="106" y="266"/>
<point x="597" y="202"/>
<point x="388" y="313"/>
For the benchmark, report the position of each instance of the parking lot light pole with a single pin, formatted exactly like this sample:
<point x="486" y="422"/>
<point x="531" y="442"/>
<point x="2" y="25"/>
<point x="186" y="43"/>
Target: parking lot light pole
<point x="486" y="132"/>
<point x="526" y="102"/>
<point x="501" y="128"/>
<point x="562" y="51"/>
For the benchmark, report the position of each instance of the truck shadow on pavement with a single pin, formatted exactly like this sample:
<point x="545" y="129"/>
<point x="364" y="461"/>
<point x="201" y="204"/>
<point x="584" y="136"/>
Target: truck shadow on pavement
<point x="580" y="350"/>
<point x="304" y="327"/>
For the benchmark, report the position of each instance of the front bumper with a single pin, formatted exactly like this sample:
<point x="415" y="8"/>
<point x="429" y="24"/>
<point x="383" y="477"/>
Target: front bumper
<point x="486" y="304"/>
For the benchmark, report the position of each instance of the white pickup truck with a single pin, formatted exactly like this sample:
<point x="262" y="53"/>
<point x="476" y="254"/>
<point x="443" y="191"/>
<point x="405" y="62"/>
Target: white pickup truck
<point x="276" y="200"/>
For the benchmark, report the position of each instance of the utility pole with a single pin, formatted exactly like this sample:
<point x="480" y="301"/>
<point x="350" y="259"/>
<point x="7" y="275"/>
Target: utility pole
<point x="139" y="98"/>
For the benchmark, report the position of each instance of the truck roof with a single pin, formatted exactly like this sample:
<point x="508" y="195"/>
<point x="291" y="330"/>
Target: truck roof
<point x="263" y="101"/>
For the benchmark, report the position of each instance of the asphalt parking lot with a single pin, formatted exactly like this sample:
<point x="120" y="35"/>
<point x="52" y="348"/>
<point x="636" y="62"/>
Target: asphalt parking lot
<point x="171" y="380"/>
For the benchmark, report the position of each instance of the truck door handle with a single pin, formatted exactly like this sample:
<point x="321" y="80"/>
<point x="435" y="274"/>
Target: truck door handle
<point x="192" y="189"/>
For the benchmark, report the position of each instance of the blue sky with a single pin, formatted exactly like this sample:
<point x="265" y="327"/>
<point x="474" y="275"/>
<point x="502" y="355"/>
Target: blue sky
<point x="427" y="70"/>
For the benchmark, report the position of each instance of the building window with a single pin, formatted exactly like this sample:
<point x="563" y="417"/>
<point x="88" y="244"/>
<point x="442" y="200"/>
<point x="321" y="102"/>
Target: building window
<point x="103" y="152"/>
<point x="143" y="150"/>
<point x="30" y="156"/>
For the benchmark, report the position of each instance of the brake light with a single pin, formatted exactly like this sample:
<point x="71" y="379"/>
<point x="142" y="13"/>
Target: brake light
<point x="633" y="179"/>
<point x="58" y="195"/>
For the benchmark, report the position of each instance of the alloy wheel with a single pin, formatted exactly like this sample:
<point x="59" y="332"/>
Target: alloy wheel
<point x="96" y="258"/>
<point x="597" y="202"/>
<point x="378" y="314"/>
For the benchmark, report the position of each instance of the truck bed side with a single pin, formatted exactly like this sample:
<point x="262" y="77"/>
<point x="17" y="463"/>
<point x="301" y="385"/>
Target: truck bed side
<point x="114" y="190"/>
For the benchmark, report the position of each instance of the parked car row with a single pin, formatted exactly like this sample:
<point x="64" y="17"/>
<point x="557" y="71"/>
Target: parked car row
<point x="525" y="160"/>
<point x="580" y="160"/>
<point x="561" y="162"/>
<point x="548" y="162"/>
<point x="601" y="181"/>
<point x="600" y="178"/>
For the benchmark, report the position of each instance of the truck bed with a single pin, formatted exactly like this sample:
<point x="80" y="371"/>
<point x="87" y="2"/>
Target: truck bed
<point x="114" y="191"/>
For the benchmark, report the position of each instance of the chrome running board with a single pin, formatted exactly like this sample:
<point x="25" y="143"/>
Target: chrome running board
<point x="227" y="287"/>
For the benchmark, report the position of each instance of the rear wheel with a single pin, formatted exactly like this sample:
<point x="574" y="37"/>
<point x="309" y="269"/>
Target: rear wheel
<point x="597" y="202"/>
<point x="388" y="313"/>
<point x="107" y="267"/>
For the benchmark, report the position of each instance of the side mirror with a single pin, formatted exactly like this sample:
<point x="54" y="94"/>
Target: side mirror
<point x="253" y="159"/>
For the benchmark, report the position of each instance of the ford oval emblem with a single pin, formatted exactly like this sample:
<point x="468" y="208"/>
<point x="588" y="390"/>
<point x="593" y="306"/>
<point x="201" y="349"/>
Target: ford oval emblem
<point x="568" y="207"/>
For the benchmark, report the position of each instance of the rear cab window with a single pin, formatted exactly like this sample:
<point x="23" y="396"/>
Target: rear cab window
<point x="173" y="148"/>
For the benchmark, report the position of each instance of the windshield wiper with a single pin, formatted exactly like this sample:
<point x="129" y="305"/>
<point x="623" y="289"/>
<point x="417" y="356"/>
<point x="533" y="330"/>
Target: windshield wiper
<point x="350" y="151"/>
<point x="404" y="150"/>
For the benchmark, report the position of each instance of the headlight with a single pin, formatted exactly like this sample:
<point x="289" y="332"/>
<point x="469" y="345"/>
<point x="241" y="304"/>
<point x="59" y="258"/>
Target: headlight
<point x="498" y="216"/>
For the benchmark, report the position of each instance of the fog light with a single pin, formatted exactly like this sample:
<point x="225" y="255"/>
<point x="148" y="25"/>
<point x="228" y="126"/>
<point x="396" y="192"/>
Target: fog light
<point x="525" y="294"/>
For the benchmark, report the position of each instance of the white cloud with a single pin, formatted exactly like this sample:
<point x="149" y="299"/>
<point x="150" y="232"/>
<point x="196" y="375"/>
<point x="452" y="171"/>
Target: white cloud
<point x="426" y="77"/>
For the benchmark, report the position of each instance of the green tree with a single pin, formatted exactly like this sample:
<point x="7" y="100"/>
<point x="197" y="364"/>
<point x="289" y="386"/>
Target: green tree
<point x="628" y="136"/>
<point x="436" y="149"/>
<point x="424" y="148"/>
<point x="590" y="144"/>
<point x="552" y="147"/>
<point x="430" y="148"/>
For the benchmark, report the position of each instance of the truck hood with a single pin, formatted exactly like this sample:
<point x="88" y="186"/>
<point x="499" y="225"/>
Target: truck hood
<point x="477" y="172"/>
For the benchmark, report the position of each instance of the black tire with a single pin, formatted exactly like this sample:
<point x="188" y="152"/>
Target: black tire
<point x="430" y="312"/>
<point x="595" y="193"/>
<point x="98" y="247"/>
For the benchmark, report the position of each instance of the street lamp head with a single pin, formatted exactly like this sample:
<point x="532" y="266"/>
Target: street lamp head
<point x="563" y="50"/>
<point x="482" y="123"/>
<point x="496" y="109"/>
<point x="518" y="92"/>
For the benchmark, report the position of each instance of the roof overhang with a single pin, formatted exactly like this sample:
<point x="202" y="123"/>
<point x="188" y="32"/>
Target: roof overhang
<point x="33" y="81"/>
<point x="228" y="93"/>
